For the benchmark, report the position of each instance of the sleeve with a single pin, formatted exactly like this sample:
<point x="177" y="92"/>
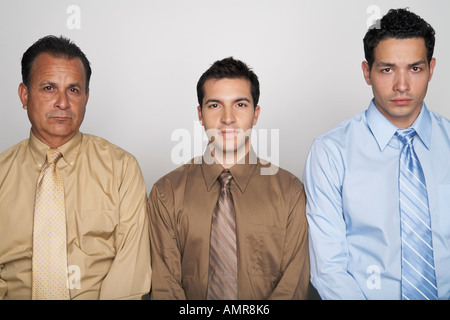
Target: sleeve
<point x="328" y="246"/>
<point x="130" y="274"/>
<point x="294" y="282"/>
<point x="166" y="257"/>
<point x="3" y="285"/>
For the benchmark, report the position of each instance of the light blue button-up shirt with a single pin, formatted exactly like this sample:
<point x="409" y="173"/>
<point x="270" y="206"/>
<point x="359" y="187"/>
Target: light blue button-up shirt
<point x="351" y="183"/>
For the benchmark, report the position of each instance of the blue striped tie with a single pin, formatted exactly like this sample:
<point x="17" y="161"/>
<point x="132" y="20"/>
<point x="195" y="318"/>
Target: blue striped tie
<point x="418" y="274"/>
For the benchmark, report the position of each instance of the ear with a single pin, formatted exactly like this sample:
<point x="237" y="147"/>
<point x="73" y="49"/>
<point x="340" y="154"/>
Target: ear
<point x="366" y="72"/>
<point x="200" y="116"/>
<point x="432" y="65"/>
<point x="23" y="95"/>
<point x="256" y="114"/>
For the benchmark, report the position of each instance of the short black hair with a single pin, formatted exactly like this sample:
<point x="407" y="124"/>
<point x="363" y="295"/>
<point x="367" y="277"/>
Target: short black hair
<point x="229" y="68"/>
<point x="58" y="47"/>
<point x="398" y="24"/>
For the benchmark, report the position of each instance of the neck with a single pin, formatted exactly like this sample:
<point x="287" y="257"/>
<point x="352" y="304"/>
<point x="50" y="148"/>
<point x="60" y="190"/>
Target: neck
<point x="401" y="122"/>
<point x="228" y="159"/>
<point x="52" y="142"/>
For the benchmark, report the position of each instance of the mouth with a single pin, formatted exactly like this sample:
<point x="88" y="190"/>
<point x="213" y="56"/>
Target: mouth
<point x="61" y="118"/>
<point x="229" y="133"/>
<point x="401" y="101"/>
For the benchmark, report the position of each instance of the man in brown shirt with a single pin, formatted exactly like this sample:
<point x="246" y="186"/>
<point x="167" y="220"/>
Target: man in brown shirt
<point x="107" y="241"/>
<point x="269" y="203"/>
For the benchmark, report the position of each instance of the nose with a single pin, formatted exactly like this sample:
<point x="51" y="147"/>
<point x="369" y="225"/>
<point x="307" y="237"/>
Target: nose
<point x="228" y="116"/>
<point x="401" y="82"/>
<point x="62" y="101"/>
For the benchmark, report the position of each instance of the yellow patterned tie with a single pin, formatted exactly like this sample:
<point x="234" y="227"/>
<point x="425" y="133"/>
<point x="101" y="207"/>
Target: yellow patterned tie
<point x="49" y="234"/>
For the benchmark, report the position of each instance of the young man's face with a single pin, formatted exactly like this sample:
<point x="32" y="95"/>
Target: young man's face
<point x="228" y="114"/>
<point x="56" y="100"/>
<point x="399" y="78"/>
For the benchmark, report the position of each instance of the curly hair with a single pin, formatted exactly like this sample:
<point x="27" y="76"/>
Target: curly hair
<point x="229" y="68"/>
<point x="398" y="24"/>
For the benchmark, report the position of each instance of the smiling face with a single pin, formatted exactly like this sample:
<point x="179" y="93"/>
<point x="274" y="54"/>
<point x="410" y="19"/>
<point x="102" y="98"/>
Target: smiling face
<point x="399" y="78"/>
<point x="56" y="98"/>
<point x="228" y="115"/>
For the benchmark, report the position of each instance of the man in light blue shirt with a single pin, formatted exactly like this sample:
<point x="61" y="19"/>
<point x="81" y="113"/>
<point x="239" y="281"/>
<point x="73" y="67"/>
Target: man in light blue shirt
<point x="351" y="175"/>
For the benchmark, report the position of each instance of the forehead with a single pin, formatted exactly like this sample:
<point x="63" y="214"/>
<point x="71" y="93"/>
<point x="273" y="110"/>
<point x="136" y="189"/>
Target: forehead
<point x="227" y="86"/>
<point x="46" y="65"/>
<point x="398" y="50"/>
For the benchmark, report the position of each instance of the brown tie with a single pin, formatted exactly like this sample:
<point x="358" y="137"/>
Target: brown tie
<point x="223" y="283"/>
<point x="49" y="234"/>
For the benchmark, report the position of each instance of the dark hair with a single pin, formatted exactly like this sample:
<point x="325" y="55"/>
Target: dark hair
<point x="232" y="69"/>
<point x="398" y="24"/>
<point x="59" y="48"/>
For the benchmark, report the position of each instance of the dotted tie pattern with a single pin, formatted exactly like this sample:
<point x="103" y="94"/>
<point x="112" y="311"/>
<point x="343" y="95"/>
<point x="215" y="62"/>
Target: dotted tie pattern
<point x="49" y="234"/>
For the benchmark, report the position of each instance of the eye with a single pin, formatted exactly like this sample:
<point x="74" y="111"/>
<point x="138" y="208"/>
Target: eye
<point x="213" y="106"/>
<point x="241" y="105"/>
<point x="48" y="88"/>
<point x="386" y="70"/>
<point x="416" y="69"/>
<point x="74" y="90"/>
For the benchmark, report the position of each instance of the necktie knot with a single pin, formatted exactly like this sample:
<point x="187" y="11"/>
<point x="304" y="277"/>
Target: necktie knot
<point x="406" y="135"/>
<point x="53" y="155"/>
<point x="225" y="179"/>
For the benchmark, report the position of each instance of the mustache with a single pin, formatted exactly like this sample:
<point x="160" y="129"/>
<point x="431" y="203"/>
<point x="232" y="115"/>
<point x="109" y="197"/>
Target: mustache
<point x="60" y="114"/>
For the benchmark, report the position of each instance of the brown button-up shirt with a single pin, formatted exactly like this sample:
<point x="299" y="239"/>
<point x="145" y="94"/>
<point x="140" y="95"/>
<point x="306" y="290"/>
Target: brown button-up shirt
<point x="271" y="225"/>
<point x="108" y="248"/>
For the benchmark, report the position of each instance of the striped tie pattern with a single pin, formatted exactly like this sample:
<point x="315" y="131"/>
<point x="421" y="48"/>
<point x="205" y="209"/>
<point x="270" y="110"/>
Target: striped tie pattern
<point x="418" y="274"/>
<point x="223" y="284"/>
<point x="49" y="234"/>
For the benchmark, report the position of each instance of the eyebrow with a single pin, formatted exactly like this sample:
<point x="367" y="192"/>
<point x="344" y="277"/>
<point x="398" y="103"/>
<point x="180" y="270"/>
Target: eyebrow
<point x="43" y="83"/>
<point x="418" y="63"/>
<point x="388" y="64"/>
<point x="50" y="83"/>
<point x="236" y="100"/>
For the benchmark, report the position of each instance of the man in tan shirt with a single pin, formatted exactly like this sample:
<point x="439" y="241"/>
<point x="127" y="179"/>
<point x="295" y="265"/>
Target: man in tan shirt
<point x="269" y="202"/>
<point x="108" y="251"/>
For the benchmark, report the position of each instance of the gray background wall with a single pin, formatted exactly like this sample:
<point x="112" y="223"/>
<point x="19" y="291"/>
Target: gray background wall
<point x="148" y="55"/>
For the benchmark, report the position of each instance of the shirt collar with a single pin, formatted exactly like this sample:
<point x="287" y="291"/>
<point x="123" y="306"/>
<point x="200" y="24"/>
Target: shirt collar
<point x="241" y="172"/>
<point x="69" y="149"/>
<point x="383" y="130"/>
<point x="422" y="125"/>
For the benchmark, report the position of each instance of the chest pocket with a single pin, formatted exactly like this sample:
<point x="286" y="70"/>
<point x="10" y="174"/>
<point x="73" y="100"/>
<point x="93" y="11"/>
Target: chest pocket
<point x="264" y="247"/>
<point x="96" y="231"/>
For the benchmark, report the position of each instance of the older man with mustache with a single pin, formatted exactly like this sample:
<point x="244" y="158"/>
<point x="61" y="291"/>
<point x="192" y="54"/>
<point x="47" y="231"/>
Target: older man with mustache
<point x="73" y="217"/>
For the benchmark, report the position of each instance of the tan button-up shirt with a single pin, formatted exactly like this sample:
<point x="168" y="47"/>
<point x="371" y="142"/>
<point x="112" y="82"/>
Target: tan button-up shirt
<point x="108" y="247"/>
<point x="271" y="231"/>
